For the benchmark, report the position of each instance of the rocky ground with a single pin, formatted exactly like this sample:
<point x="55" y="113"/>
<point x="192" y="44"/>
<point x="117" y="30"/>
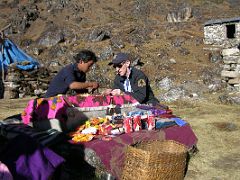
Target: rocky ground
<point x="165" y="36"/>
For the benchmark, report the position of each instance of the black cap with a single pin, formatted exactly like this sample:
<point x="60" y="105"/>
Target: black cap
<point x="120" y="57"/>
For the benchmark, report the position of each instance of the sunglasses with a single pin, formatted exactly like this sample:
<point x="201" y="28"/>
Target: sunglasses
<point x="118" y="66"/>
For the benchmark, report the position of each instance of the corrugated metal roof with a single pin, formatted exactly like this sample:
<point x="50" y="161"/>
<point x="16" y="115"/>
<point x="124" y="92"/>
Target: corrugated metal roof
<point x="221" y="21"/>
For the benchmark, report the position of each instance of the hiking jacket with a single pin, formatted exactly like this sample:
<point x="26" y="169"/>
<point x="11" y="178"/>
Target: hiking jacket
<point x="140" y="85"/>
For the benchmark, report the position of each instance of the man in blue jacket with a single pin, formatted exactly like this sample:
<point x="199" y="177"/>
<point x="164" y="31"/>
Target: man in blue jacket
<point x="73" y="76"/>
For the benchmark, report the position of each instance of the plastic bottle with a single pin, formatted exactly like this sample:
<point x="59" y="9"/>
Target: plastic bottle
<point x="111" y="108"/>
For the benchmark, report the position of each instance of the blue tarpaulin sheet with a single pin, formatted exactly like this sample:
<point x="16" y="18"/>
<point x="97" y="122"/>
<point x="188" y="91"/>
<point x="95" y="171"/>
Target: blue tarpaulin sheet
<point x="13" y="54"/>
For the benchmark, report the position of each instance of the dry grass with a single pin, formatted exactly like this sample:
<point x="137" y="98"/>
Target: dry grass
<point x="216" y="125"/>
<point x="10" y="107"/>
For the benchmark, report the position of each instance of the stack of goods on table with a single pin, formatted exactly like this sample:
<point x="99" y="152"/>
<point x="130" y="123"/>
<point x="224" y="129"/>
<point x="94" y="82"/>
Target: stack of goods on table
<point x="144" y="117"/>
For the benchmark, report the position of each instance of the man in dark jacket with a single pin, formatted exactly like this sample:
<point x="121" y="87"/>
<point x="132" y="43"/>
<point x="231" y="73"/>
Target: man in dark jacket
<point x="73" y="76"/>
<point x="131" y="81"/>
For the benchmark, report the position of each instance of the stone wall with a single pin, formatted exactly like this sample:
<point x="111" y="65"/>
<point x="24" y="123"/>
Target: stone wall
<point x="216" y="34"/>
<point x="19" y="83"/>
<point x="238" y="31"/>
<point x="231" y="68"/>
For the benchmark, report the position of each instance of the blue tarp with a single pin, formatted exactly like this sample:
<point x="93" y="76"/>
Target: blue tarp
<point x="13" y="54"/>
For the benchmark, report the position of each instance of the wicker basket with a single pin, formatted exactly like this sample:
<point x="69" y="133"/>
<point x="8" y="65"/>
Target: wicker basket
<point x="155" y="160"/>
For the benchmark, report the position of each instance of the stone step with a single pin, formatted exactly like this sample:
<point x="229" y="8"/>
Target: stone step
<point x="234" y="81"/>
<point x="231" y="59"/>
<point x="231" y="51"/>
<point x="231" y="74"/>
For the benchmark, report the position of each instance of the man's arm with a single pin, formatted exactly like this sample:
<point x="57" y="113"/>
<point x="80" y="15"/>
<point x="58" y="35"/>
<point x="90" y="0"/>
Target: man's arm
<point x="83" y="85"/>
<point x="117" y="84"/>
<point x="116" y="89"/>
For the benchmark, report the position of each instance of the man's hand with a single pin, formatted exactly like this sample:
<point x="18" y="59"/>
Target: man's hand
<point x="112" y="92"/>
<point x="107" y="92"/>
<point x="116" y="92"/>
<point x="94" y="85"/>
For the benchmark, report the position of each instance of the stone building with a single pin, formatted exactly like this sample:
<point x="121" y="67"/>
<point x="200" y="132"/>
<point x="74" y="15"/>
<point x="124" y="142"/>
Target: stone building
<point x="224" y="35"/>
<point x="222" y="32"/>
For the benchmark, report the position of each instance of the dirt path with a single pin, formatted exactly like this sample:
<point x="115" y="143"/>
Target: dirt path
<point x="217" y="127"/>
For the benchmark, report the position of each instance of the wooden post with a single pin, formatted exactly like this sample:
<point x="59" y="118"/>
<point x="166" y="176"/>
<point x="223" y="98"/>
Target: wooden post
<point x="2" y="37"/>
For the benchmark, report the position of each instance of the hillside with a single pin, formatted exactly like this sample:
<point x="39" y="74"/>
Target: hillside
<point x="53" y="31"/>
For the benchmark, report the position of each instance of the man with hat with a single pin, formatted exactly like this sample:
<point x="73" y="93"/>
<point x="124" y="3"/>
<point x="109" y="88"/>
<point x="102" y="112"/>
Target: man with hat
<point x="73" y="76"/>
<point x="131" y="81"/>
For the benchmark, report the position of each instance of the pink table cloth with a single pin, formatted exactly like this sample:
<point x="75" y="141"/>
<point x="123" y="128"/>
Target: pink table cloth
<point x="55" y="107"/>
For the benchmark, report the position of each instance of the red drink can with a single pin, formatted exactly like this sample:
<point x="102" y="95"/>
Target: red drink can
<point x="137" y="125"/>
<point x="151" y="122"/>
<point x="144" y="123"/>
<point x="127" y="124"/>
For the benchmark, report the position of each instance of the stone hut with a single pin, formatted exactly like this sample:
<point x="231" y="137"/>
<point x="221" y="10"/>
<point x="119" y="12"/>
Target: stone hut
<point x="224" y="35"/>
<point x="222" y="32"/>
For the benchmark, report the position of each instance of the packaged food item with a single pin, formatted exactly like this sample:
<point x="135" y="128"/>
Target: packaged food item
<point x="117" y="119"/>
<point x="82" y="137"/>
<point x="95" y="121"/>
<point x="137" y="125"/>
<point x="127" y="124"/>
<point x="163" y="122"/>
<point x="111" y="108"/>
<point x="90" y="130"/>
<point x="151" y="122"/>
<point x="135" y="113"/>
<point x="144" y="123"/>
<point x="105" y="129"/>
<point x="117" y="131"/>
